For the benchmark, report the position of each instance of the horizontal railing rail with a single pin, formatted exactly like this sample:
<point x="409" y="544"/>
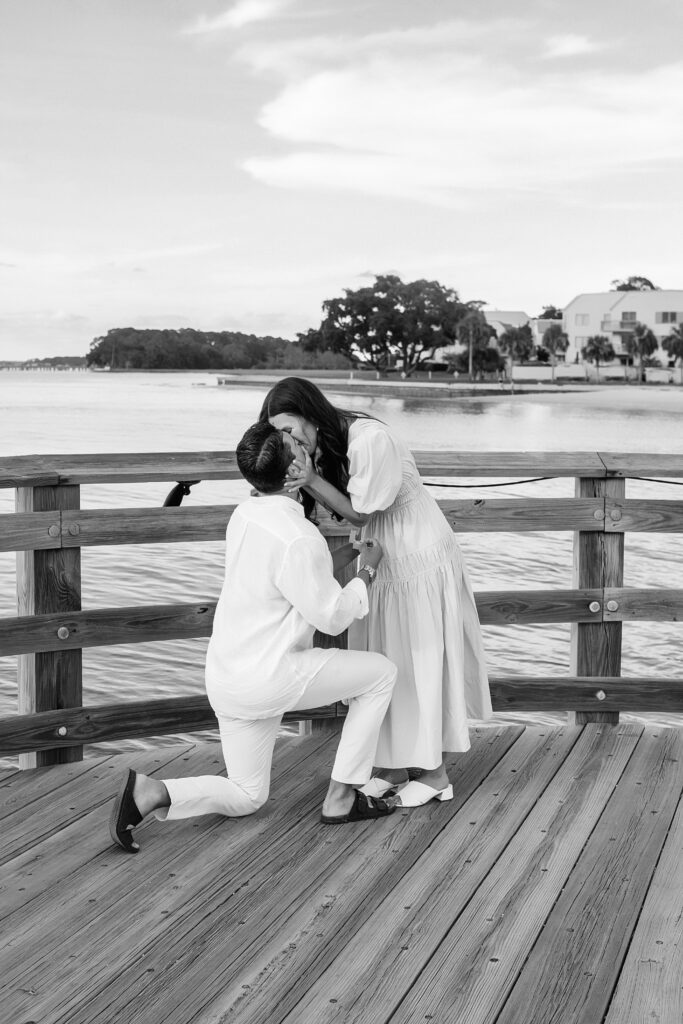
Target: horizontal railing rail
<point x="80" y="528"/>
<point x="51" y="630"/>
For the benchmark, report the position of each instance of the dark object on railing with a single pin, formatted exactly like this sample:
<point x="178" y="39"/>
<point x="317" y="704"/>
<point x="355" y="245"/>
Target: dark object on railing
<point x="176" y="495"/>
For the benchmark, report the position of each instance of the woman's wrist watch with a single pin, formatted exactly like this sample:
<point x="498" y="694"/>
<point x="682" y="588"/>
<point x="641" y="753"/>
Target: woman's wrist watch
<point x="370" y="570"/>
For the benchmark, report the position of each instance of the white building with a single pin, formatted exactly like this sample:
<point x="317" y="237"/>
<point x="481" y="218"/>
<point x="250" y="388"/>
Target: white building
<point x="613" y="315"/>
<point x="501" y="319"/>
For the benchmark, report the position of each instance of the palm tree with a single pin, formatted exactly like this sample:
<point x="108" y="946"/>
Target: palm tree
<point x="517" y="343"/>
<point x="555" y="340"/>
<point x="673" y="345"/>
<point x="642" y="342"/>
<point x="598" y="349"/>
<point x="474" y="331"/>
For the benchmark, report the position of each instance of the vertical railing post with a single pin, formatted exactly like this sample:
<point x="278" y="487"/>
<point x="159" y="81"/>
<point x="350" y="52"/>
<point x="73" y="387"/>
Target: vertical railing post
<point x="48" y="582"/>
<point x="598" y="563"/>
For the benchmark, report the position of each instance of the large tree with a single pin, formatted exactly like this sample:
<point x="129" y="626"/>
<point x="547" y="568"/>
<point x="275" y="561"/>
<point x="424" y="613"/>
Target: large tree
<point x="634" y="284"/>
<point x="673" y="345"/>
<point x="555" y="341"/>
<point x="389" y="320"/>
<point x="598" y="349"/>
<point x="641" y="343"/>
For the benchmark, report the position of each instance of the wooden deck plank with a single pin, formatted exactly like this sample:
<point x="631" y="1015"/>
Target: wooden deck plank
<point x="225" y="922"/>
<point x="21" y="788"/>
<point x="471" y="973"/>
<point x="326" y="911"/>
<point x="650" y="986"/>
<point x="50" y="862"/>
<point x="570" y="976"/>
<point x="439" y="912"/>
<point x="99" y="921"/>
<point x="34" y="820"/>
<point x="340" y="970"/>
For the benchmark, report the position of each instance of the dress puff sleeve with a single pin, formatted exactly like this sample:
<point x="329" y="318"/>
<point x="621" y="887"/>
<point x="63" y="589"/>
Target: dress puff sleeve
<point x="375" y="466"/>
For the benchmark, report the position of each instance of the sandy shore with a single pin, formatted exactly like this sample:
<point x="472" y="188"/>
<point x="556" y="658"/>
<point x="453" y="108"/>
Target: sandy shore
<point x="667" y="397"/>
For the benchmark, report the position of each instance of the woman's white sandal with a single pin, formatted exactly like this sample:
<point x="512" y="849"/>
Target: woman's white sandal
<point x="415" y="794"/>
<point x="378" y="787"/>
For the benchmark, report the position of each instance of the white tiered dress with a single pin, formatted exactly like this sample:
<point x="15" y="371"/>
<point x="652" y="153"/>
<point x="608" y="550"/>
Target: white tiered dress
<point x="422" y="611"/>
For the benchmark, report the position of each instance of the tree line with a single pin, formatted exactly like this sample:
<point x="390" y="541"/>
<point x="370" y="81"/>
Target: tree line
<point x="388" y="323"/>
<point x="129" y="348"/>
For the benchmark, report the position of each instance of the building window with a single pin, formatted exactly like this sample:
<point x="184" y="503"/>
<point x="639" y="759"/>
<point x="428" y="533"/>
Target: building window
<point x="581" y="319"/>
<point x="667" y="318"/>
<point x="629" y="318"/>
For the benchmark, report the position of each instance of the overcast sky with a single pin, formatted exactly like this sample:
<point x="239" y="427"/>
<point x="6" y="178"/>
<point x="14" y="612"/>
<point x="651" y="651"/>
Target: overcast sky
<point x="231" y="165"/>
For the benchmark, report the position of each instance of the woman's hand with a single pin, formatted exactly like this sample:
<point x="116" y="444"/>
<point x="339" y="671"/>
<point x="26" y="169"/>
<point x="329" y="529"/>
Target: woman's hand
<point x="301" y="472"/>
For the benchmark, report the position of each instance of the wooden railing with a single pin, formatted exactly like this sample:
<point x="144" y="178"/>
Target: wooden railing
<point x="49" y="529"/>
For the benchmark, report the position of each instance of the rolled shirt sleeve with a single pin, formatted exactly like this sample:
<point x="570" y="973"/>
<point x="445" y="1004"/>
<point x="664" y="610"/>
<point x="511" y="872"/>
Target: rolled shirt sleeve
<point x="375" y="467"/>
<point x="307" y="581"/>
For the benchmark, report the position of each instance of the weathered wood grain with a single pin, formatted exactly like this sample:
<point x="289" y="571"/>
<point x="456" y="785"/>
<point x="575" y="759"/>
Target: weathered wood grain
<point x="430" y="914"/>
<point x="192" y="875"/>
<point x="582" y="945"/>
<point x="75" y="833"/>
<point x="358" y="971"/>
<point x="595" y="648"/>
<point x="631" y="604"/>
<point x="50" y="470"/>
<point x="140" y="624"/>
<point x="649" y="987"/>
<point x="145" y="525"/>
<point x="588" y="694"/>
<point x="520" y="515"/>
<point x="105" y="627"/>
<point x="471" y="974"/>
<point x="117" y="467"/>
<point x="47" y="582"/>
<point x="36" y="531"/>
<point x="510" y="465"/>
<point x="136" y="719"/>
<point x="638" y="515"/>
<point x="520" y="607"/>
<point x="639" y="464"/>
<point x="68" y="727"/>
<point x="226" y="920"/>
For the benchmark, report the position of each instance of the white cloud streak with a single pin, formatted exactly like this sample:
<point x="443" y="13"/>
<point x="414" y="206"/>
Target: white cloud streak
<point x="431" y="115"/>
<point x="570" y="46"/>
<point x="245" y="12"/>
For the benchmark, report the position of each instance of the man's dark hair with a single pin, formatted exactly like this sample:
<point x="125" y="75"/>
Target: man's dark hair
<point x="263" y="458"/>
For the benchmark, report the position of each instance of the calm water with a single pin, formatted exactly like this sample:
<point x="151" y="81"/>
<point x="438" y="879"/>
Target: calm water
<point x="81" y="413"/>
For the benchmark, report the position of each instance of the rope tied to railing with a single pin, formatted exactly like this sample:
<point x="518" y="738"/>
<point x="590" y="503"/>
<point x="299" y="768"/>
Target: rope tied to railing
<point x="536" y="479"/>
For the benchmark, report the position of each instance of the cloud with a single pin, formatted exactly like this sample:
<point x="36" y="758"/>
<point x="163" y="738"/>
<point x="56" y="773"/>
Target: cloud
<point x="77" y="263"/>
<point x="441" y="123"/>
<point x="245" y="12"/>
<point x="570" y="46"/>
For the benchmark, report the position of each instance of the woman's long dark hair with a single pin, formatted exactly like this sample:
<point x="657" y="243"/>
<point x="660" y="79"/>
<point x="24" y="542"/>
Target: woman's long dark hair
<point x="297" y="396"/>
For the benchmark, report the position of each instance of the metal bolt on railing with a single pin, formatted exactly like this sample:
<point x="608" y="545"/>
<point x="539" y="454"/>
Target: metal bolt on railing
<point x="594" y="607"/>
<point x="63" y="633"/>
<point x="601" y="695"/>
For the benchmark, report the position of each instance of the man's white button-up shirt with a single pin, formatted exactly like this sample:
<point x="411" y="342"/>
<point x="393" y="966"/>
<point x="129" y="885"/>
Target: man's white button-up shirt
<point x="278" y="589"/>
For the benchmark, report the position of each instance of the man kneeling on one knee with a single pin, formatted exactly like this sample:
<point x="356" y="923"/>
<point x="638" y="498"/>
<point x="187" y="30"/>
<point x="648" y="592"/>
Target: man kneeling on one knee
<point x="279" y="588"/>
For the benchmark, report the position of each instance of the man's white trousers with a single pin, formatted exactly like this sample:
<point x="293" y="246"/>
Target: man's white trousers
<point x="364" y="678"/>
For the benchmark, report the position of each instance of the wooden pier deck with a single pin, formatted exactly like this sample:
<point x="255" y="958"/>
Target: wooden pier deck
<point x="549" y="890"/>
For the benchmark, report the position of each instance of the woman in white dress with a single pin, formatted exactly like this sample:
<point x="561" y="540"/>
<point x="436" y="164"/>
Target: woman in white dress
<point x="422" y="612"/>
